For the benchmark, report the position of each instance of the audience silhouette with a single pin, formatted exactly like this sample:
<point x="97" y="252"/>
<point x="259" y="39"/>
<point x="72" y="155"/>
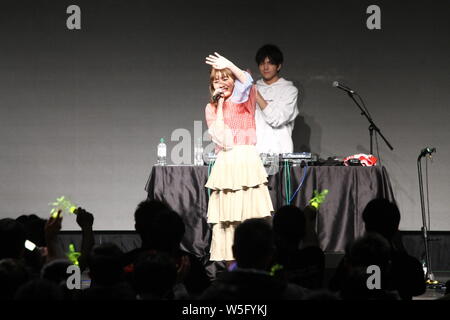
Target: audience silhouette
<point x="279" y="259"/>
<point x="297" y="251"/>
<point x="155" y="276"/>
<point x="369" y="250"/>
<point x="253" y="250"/>
<point x="13" y="274"/>
<point x="161" y="230"/>
<point x="12" y="239"/>
<point x="383" y="217"/>
<point x="107" y="275"/>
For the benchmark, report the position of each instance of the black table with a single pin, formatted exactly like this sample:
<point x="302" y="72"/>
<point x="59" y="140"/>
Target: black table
<point x="339" y="219"/>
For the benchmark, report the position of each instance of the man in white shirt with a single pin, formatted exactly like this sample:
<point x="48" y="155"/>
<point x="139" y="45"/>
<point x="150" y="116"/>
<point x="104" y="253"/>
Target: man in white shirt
<point x="277" y="104"/>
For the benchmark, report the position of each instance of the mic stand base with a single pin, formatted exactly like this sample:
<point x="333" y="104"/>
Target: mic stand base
<point x="432" y="283"/>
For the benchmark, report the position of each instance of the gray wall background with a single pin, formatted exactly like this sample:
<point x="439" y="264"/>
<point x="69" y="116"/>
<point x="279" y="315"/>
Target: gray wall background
<point x="81" y="112"/>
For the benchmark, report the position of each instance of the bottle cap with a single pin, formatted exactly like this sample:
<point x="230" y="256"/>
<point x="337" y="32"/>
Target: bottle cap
<point x="162" y="140"/>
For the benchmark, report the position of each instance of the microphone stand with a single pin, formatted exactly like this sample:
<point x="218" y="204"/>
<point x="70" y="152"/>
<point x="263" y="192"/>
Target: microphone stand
<point x="429" y="274"/>
<point x="372" y="126"/>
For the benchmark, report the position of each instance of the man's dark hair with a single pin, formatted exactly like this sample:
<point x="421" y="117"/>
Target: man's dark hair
<point x="56" y="271"/>
<point x="105" y="264"/>
<point x="383" y="217"/>
<point x="12" y="239"/>
<point x="13" y="274"/>
<point x="269" y="51"/>
<point x="159" y="227"/>
<point x="253" y="243"/>
<point x="289" y="224"/>
<point x="39" y="289"/>
<point x="371" y="249"/>
<point x="34" y="228"/>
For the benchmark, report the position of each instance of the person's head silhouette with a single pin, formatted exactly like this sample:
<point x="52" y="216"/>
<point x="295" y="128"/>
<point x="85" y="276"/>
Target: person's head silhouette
<point x="160" y="227"/>
<point x="383" y="217"/>
<point x="253" y="244"/>
<point x="288" y="226"/>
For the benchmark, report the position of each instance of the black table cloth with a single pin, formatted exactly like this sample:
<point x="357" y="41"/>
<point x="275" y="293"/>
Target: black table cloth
<point x="339" y="219"/>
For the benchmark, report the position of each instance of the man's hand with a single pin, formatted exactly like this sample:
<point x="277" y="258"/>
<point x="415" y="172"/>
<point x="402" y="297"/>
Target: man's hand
<point x="84" y="219"/>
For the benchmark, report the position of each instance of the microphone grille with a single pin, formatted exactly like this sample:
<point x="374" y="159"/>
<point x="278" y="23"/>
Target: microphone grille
<point x="335" y="84"/>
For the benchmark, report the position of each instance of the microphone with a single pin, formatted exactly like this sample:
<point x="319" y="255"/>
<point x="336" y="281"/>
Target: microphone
<point x="216" y="97"/>
<point x="427" y="151"/>
<point x="342" y="87"/>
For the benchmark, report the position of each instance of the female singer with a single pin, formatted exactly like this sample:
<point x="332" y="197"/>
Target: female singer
<point x="238" y="179"/>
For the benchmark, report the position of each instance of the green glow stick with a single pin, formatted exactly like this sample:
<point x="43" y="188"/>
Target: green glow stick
<point x="64" y="204"/>
<point x="275" y="268"/>
<point x="73" y="255"/>
<point x="318" y="198"/>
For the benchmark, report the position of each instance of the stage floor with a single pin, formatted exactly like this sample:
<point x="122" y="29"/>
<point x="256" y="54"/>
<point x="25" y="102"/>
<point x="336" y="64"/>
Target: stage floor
<point x="438" y="292"/>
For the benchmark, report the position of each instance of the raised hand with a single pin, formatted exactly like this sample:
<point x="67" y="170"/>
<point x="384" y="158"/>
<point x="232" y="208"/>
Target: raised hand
<point x="84" y="219"/>
<point x="218" y="62"/>
<point x="53" y="226"/>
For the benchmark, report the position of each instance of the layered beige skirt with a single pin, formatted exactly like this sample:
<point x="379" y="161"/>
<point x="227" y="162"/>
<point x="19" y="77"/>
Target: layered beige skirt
<point x="238" y="184"/>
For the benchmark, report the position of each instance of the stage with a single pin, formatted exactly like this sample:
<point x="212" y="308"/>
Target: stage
<point x="339" y="220"/>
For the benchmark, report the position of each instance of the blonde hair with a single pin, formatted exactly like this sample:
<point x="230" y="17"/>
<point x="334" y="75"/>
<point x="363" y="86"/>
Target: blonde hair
<point x="218" y="74"/>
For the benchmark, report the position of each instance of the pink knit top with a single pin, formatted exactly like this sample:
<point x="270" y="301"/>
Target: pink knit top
<point x="238" y="116"/>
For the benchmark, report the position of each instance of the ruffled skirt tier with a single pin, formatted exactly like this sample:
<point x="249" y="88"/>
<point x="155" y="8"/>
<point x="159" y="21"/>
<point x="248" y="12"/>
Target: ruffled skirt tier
<point x="238" y="183"/>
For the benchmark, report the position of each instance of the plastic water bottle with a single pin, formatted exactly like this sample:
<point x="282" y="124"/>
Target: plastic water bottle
<point x="162" y="152"/>
<point x="198" y="153"/>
